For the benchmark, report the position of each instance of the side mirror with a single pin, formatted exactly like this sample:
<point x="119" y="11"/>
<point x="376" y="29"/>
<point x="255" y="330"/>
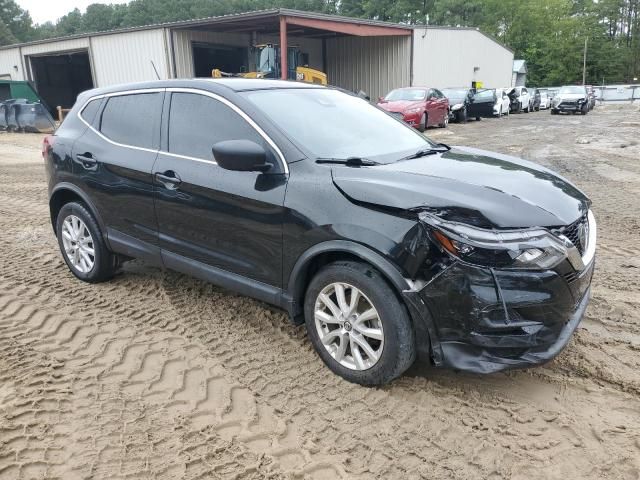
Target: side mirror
<point x="381" y="100"/>
<point x="241" y="156"/>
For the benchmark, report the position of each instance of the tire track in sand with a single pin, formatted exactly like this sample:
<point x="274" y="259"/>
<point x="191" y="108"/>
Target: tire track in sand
<point x="164" y="378"/>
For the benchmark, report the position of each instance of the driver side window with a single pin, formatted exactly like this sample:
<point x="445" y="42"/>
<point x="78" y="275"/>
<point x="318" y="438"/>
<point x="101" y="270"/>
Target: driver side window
<point x="197" y="122"/>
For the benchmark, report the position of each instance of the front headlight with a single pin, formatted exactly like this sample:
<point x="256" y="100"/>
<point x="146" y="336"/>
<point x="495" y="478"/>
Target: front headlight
<point x="532" y="249"/>
<point x="414" y="110"/>
<point x="457" y="106"/>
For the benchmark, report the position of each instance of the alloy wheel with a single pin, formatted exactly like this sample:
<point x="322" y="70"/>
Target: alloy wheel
<point x="349" y="326"/>
<point x="78" y="244"/>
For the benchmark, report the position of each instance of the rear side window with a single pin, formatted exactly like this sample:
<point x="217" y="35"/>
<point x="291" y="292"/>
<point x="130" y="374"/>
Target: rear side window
<point x="197" y="122"/>
<point x="88" y="113"/>
<point x="133" y="120"/>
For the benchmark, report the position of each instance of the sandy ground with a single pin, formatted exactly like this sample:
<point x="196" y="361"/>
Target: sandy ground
<point x="157" y="375"/>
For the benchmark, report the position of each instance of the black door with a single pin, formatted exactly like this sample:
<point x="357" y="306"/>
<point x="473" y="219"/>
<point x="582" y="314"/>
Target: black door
<point x="226" y="219"/>
<point x="482" y="103"/>
<point x="114" y="158"/>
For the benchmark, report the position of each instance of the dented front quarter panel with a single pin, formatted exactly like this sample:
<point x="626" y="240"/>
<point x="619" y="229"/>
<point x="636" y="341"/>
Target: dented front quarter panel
<point x="473" y="318"/>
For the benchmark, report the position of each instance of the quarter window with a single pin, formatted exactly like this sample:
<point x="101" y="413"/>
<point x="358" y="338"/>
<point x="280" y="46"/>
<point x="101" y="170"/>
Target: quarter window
<point x="88" y="113"/>
<point x="133" y="120"/>
<point x="198" y="122"/>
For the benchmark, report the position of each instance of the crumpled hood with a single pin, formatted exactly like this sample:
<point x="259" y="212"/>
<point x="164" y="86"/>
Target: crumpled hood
<point x="399" y="105"/>
<point x="466" y="184"/>
<point x="571" y="96"/>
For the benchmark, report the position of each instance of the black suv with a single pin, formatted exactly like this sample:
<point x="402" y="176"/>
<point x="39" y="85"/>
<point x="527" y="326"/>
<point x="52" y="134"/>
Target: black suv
<point x="387" y="245"/>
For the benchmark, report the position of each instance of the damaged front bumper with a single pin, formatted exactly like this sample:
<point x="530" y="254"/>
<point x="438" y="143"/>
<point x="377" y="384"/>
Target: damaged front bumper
<point x="485" y="320"/>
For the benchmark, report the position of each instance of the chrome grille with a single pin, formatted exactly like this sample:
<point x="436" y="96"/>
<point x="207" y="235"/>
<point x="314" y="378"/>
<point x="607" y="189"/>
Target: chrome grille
<point x="573" y="233"/>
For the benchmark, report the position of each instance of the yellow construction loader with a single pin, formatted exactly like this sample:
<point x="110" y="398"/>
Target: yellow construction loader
<point x="267" y="61"/>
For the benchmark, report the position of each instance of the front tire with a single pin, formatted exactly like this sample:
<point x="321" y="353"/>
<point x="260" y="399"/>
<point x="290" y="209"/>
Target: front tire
<point x="461" y="115"/>
<point x="422" y="126"/>
<point x="82" y="245"/>
<point x="357" y="324"/>
<point x="445" y="121"/>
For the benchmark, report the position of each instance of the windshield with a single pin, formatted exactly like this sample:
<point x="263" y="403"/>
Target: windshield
<point x="571" y="90"/>
<point x="266" y="59"/>
<point x="330" y="124"/>
<point x="409" y="94"/>
<point x="454" y="92"/>
<point x="484" y="95"/>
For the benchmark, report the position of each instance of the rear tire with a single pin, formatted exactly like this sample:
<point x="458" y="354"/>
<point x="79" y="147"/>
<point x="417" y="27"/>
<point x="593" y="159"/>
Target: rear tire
<point x="82" y="244"/>
<point x="336" y="333"/>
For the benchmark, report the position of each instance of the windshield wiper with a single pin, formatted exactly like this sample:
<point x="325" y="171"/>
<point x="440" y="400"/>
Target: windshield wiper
<point x="350" y="161"/>
<point x="439" y="148"/>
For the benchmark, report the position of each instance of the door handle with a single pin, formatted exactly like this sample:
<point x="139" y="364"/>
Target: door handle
<point x="87" y="160"/>
<point x="169" y="179"/>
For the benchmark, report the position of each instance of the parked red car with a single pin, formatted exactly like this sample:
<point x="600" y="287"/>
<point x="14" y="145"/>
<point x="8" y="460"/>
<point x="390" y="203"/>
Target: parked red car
<point x="420" y="107"/>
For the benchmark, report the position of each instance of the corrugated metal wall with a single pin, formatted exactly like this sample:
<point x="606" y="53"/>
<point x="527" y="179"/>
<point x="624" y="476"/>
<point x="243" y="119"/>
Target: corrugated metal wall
<point x="127" y="57"/>
<point x="446" y="58"/>
<point x="59" y="46"/>
<point x="8" y="59"/>
<point x="374" y="65"/>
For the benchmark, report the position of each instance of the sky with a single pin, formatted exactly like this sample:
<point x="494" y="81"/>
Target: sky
<point x="50" y="10"/>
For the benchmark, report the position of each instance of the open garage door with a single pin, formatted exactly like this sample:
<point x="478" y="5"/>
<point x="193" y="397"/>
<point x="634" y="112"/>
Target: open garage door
<point x="59" y="78"/>
<point x="207" y="56"/>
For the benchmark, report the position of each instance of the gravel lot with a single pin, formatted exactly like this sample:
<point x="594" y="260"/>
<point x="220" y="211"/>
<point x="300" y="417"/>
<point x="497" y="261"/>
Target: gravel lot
<point x="157" y="375"/>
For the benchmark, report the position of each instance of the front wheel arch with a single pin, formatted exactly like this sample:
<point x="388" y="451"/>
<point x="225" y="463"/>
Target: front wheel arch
<point x="327" y="252"/>
<point x="331" y="251"/>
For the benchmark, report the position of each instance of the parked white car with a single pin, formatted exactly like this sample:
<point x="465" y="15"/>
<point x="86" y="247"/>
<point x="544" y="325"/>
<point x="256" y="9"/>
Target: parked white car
<point x="545" y="100"/>
<point x="521" y="99"/>
<point x="503" y="102"/>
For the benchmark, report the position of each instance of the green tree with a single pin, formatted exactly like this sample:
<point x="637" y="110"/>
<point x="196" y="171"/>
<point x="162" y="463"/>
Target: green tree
<point x="548" y="34"/>
<point x="15" y="23"/>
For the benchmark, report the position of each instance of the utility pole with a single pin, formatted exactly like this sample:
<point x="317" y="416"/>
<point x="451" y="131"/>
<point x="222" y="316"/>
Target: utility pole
<point x="584" y="63"/>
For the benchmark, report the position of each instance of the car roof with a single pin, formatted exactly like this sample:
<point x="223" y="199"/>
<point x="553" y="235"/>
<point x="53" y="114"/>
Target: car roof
<point x="210" y="84"/>
<point x="417" y="87"/>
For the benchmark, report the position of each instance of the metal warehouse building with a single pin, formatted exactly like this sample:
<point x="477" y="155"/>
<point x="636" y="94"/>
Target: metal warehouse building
<point x="356" y="54"/>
